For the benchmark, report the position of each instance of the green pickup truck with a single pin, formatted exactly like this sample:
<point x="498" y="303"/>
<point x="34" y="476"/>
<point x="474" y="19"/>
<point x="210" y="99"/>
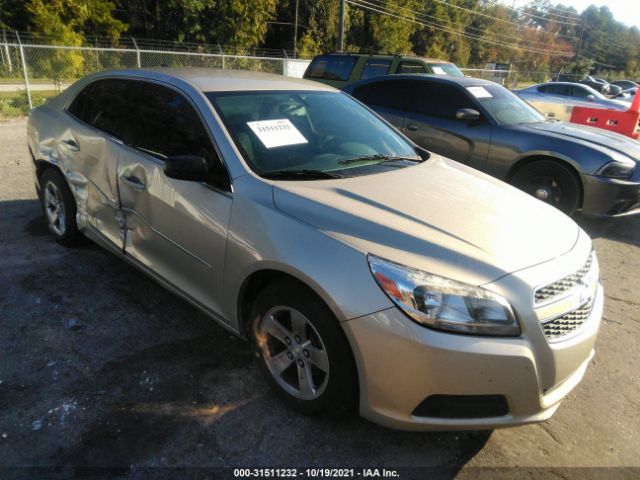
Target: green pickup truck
<point x="340" y="69"/>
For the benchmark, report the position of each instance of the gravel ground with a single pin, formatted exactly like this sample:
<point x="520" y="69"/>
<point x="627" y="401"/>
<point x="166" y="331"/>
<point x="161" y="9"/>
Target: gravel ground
<point x="100" y="367"/>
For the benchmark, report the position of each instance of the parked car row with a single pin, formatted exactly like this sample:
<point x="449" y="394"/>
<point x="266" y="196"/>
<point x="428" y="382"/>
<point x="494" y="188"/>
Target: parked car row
<point x="599" y="84"/>
<point x="365" y="266"/>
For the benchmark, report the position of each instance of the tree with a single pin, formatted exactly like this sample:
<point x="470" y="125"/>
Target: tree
<point x="13" y="15"/>
<point x="321" y="34"/>
<point x="388" y="33"/>
<point x="67" y="21"/>
<point x="64" y="22"/>
<point x="239" y="23"/>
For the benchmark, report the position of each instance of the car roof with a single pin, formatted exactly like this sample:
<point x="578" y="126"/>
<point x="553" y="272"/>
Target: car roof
<point x="575" y="84"/>
<point x="463" y="81"/>
<point x="223" y="80"/>
<point x="384" y="55"/>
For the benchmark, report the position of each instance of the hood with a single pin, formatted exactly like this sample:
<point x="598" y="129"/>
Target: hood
<point x="599" y="136"/>
<point x="440" y="216"/>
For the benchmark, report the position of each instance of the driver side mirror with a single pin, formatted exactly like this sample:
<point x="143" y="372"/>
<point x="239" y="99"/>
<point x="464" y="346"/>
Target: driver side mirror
<point x="467" y="114"/>
<point x="187" y="167"/>
<point x="591" y="98"/>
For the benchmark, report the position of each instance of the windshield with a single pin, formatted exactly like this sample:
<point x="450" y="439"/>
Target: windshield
<point x="505" y="107"/>
<point x="310" y="134"/>
<point x="446" y="69"/>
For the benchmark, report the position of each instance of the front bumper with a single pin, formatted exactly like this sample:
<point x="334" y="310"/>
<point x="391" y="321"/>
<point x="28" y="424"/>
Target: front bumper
<point x="401" y="364"/>
<point x="608" y="197"/>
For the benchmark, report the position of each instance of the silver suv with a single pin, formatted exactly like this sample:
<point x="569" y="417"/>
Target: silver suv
<point x="363" y="269"/>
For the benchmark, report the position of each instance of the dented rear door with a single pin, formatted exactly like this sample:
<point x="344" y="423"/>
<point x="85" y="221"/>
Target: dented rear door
<point x="90" y="150"/>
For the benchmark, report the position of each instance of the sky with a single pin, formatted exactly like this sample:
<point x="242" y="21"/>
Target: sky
<point x="625" y="11"/>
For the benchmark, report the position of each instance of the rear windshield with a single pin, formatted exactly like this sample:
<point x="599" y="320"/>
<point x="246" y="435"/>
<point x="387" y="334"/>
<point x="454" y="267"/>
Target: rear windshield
<point x="446" y="69"/>
<point x="331" y="67"/>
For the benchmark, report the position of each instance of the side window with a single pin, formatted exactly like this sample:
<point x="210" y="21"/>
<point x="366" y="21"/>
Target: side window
<point x="105" y="105"/>
<point x="411" y="67"/>
<point x="563" y="90"/>
<point x="544" y="88"/>
<point x="451" y="99"/>
<point x="580" y="92"/>
<point x="168" y="125"/>
<point x="375" y="68"/>
<point x="316" y="68"/>
<point x="424" y="98"/>
<point x="388" y="94"/>
<point x="331" y="67"/>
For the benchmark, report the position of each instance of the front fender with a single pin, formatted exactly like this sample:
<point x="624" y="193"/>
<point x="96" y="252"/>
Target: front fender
<point x="261" y="237"/>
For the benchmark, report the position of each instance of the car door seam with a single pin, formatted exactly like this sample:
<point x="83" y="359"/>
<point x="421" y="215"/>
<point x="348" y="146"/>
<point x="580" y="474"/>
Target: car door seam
<point x="155" y="230"/>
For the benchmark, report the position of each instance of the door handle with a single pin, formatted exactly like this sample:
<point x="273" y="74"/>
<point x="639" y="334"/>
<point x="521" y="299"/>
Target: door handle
<point x="134" y="182"/>
<point x="412" y="126"/>
<point x="72" y="144"/>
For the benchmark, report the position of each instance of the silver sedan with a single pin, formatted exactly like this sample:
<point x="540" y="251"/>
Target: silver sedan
<point x="556" y="99"/>
<point x="363" y="269"/>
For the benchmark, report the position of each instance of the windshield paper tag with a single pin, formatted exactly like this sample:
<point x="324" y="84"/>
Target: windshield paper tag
<point x="438" y="70"/>
<point x="479" y="92"/>
<point x="277" y="133"/>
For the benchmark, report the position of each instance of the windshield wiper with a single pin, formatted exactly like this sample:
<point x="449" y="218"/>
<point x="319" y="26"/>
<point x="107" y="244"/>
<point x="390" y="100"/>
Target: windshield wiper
<point x="299" y="174"/>
<point x="381" y="158"/>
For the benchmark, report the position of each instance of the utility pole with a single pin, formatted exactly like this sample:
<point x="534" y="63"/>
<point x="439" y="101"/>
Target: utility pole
<point x="341" y="27"/>
<point x="295" y="32"/>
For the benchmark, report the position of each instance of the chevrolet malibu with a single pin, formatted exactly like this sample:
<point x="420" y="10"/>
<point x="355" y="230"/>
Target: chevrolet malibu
<point x="364" y="269"/>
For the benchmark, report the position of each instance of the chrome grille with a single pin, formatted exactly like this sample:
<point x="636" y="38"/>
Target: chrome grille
<point x="557" y="288"/>
<point x="567" y="323"/>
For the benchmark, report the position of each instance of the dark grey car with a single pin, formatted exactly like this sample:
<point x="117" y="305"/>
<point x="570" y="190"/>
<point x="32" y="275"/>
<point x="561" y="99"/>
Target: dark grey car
<point x="484" y="125"/>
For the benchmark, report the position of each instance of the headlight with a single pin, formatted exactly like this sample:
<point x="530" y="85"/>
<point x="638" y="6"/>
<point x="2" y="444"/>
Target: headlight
<point x="444" y="304"/>
<point x="620" y="167"/>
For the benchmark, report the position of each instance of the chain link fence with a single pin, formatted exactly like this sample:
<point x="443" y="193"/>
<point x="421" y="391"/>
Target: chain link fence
<point x="507" y="78"/>
<point x="30" y="73"/>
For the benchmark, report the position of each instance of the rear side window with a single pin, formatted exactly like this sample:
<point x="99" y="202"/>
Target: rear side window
<point x="436" y="99"/>
<point x="375" y="68"/>
<point x="169" y="125"/>
<point x="424" y="98"/>
<point x="105" y="105"/>
<point x="411" y="67"/>
<point x="331" y="67"/>
<point x="388" y="94"/>
<point x="564" y="90"/>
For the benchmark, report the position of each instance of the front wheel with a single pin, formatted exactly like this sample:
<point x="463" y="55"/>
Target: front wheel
<point x="551" y="182"/>
<point x="302" y="350"/>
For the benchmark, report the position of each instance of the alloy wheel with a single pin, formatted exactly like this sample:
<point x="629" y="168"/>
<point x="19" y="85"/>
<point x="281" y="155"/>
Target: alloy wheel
<point x="294" y="352"/>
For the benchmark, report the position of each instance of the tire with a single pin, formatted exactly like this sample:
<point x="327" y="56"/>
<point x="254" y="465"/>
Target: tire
<point x="290" y="329"/>
<point x="59" y="208"/>
<point x="550" y="182"/>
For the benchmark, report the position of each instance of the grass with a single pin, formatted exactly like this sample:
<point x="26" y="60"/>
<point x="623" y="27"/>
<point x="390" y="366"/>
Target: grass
<point x="16" y="104"/>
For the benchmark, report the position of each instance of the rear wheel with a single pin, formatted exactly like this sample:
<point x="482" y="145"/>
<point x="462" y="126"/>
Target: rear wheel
<point x="302" y="349"/>
<point x="59" y="208"/>
<point x="551" y="182"/>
